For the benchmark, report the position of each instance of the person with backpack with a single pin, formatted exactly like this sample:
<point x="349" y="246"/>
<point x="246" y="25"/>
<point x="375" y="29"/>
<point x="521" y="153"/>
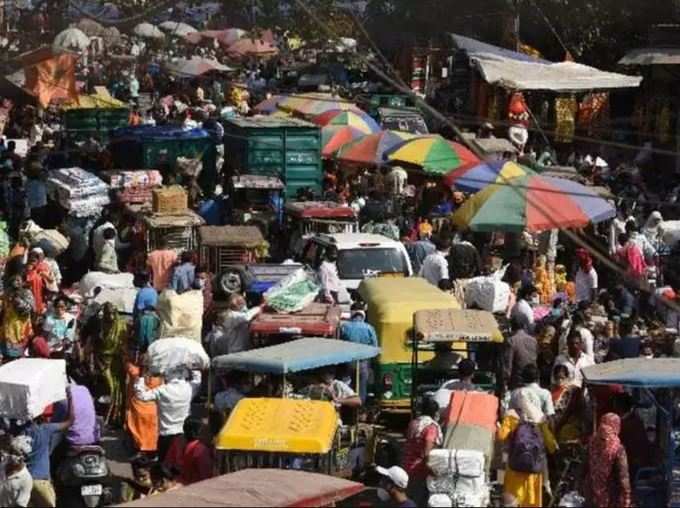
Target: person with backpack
<point x="528" y="437"/>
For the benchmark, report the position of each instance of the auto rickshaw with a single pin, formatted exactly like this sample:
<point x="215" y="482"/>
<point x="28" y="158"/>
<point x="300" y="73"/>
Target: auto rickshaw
<point x="226" y="250"/>
<point x="179" y="230"/>
<point x="654" y="385"/>
<point x="308" y="218"/>
<point x="256" y="200"/>
<point x="257" y="487"/>
<point x="288" y="432"/>
<point x="469" y="332"/>
<point x="392" y="303"/>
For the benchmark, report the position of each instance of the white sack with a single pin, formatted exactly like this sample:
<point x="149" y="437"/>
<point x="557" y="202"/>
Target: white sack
<point x="181" y="315"/>
<point x="172" y="352"/>
<point x="28" y="385"/>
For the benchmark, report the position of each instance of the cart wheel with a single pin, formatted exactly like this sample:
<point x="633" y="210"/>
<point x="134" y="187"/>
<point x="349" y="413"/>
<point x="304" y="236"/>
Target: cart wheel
<point x="231" y="282"/>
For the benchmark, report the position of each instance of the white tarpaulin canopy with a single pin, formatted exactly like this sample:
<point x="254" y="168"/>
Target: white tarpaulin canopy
<point x="176" y="28"/>
<point x="518" y="71"/>
<point x="652" y="56"/>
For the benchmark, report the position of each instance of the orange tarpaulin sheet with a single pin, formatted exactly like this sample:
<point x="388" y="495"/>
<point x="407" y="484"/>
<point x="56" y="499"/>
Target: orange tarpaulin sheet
<point x="473" y="408"/>
<point x="52" y="77"/>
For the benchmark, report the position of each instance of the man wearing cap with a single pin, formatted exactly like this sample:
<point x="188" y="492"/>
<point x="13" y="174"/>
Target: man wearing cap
<point x="357" y="330"/>
<point x="392" y="487"/>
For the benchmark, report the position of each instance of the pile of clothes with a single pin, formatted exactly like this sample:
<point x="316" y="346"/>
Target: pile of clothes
<point x="78" y="191"/>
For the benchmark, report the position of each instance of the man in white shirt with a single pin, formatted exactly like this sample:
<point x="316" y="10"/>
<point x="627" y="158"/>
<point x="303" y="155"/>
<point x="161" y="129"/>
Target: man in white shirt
<point x="173" y="399"/>
<point x="540" y="397"/>
<point x="575" y="357"/>
<point x="436" y="266"/>
<point x="328" y="276"/>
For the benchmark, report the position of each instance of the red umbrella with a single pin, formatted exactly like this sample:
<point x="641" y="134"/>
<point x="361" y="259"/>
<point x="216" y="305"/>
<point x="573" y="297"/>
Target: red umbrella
<point x="335" y="137"/>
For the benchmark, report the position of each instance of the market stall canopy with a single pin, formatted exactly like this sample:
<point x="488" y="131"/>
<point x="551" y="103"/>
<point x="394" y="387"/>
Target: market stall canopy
<point x="315" y="103"/>
<point x="177" y="28"/>
<point x="71" y="38"/>
<point x="225" y="37"/>
<point x="358" y="120"/>
<point x="255" y="488"/>
<point x="371" y="149"/>
<point x="475" y="178"/>
<point x="518" y="71"/>
<point x="252" y="47"/>
<point x="334" y="137"/>
<point x="90" y="27"/>
<point x="148" y="31"/>
<point x="636" y="372"/>
<point x="652" y="56"/>
<point x="193" y="67"/>
<point x="296" y="356"/>
<point x="95" y="101"/>
<point x="434" y="154"/>
<point x="535" y="203"/>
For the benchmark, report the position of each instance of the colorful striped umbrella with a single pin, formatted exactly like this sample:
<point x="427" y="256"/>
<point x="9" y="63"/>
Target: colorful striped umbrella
<point x="434" y="154"/>
<point x="534" y="203"/>
<point x="356" y="119"/>
<point x="371" y="149"/>
<point x="315" y="103"/>
<point x="335" y="137"/>
<point x="475" y="178"/>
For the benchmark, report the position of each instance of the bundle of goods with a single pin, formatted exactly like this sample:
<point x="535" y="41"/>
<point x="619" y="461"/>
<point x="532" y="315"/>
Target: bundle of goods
<point x="51" y="241"/>
<point x="181" y="315"/>
<point x="171" y="199"/>
<point x="117" y="288"/>
<point x="29" y="385"/>
<point x="176" y="352"/>
<point x="134" y="186"/>
<point x="292" y="293"/>
<point x="488" y="293"/>
<point x="188" y="166"/>
<point x="461" y="469"/>
<point x="78" y="191"/>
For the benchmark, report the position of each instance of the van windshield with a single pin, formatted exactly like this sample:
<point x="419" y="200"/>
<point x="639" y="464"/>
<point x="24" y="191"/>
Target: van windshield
<point x="360" y="263"/>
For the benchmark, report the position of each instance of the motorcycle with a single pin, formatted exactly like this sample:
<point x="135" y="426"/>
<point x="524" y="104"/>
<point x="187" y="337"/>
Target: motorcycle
<point x="82" y="475"/>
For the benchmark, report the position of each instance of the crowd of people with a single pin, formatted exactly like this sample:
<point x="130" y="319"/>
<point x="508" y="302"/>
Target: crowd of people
<point x="604" y="293"/>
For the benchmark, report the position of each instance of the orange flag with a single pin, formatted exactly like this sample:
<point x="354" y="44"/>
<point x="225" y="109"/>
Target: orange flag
<point x="55" y="76"/>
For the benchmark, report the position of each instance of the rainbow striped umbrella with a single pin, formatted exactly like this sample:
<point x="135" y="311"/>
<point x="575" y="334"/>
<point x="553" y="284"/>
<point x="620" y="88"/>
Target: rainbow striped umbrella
<point x="534" y="203"/>
<point x="475" y="178"/>
<point x="357" y="119"/>
<point x="335" y="137"/>
<point x="434" y="154"/>
<point x="315" y="103"/>
<point x="371" y="149"/>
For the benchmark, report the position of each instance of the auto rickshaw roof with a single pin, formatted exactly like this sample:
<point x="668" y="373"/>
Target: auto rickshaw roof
<point x="319" y="210"/>
<point x="296" y="356"/>
<point x="249" y="237"/>
<point x="258" y="182"/>
<point x="257" y="487"/>
<point x="449" y="325"/>
<point x="638" y="372"/>
<point x="396" y="299"/>
<point x="279" y="426"/>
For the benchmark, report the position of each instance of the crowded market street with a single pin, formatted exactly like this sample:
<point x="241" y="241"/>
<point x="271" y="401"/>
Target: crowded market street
<point x="339" y="253"/>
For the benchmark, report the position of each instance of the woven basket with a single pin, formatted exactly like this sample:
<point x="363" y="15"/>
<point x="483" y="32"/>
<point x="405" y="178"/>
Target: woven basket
<point x="169" y="199"/>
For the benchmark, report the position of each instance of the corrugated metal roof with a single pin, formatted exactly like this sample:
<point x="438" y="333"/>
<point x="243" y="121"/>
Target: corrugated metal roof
<point x="269" y="122"/>
<point x="517" y="71"/>
<point x="642" y="372"/>
<point x="295" y="356"/>
<point x="652" y="56"/>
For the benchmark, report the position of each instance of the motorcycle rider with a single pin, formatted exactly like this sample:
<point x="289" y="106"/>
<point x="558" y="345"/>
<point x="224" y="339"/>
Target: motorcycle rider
<point x="38" y="460"/>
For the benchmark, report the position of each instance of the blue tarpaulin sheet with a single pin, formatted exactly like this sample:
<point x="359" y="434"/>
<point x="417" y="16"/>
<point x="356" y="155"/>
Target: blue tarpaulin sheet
<point x="296" y="356"/>
<point x="640" y="372"/>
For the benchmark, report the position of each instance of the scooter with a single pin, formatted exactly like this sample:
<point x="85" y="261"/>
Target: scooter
<point x="83" y="475"/>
